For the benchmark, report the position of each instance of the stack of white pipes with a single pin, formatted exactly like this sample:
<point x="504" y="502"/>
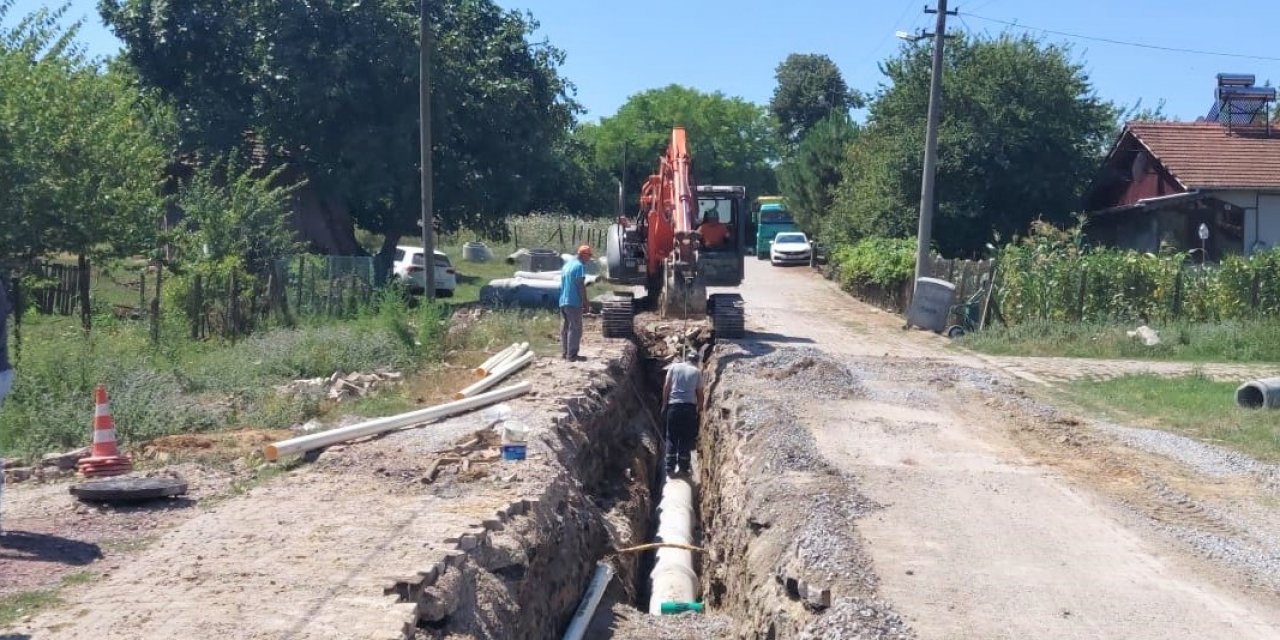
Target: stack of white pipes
<point x="502" y="356"/>
<point x="673" y="578"/>
<point x="502" y="364"/>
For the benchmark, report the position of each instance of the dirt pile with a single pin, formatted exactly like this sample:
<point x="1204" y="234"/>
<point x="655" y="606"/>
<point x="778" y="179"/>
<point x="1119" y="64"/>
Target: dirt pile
<point x="807" y="373"/>
<point x="784" y="558"/>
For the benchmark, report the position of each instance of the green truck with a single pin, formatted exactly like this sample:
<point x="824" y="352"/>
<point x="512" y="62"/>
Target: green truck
<point x="770" y="217"/>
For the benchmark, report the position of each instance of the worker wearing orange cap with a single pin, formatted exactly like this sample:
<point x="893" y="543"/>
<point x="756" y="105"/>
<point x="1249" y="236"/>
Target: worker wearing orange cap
<point x="573" y="302"/>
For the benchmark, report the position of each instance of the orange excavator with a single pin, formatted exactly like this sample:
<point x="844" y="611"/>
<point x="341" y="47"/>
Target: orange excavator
<point x="686" y="237"/>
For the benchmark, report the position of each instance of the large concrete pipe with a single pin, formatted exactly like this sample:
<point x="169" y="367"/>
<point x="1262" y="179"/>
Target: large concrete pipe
<point x="673" y="578"/>
<point x="1259" y="394"/>
<point x="382" y="425"/>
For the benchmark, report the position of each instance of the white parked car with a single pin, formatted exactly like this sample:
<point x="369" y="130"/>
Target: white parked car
<point x="790" y="248"/>
<point x="409" y="268"/>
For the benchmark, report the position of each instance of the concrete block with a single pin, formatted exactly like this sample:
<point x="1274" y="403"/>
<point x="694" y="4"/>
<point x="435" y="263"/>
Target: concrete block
<point x="814" y="596"/>
<point x="454" y="559"/>
<point x="468" y="541"/>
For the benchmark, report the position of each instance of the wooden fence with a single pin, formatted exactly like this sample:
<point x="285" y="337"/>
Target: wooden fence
<point x="562" y="234"/>
<point x="56" y="289"/>
<point x="302" y="286"/>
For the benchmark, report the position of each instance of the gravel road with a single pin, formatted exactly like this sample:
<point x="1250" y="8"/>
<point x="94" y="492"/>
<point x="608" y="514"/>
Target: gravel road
<point x="998" y="522"/>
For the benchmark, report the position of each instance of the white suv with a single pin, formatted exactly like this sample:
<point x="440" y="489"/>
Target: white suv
<point x="409" y="268"/>
<point x="790" y="247"/>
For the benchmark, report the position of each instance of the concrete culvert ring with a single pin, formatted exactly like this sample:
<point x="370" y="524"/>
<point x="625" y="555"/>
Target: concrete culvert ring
<point x="1259" y="394"/>
<point x="1249" y="396"/>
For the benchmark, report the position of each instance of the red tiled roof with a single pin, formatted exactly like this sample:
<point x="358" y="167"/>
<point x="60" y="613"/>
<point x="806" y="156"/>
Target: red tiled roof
<point x="1204" y="155"/>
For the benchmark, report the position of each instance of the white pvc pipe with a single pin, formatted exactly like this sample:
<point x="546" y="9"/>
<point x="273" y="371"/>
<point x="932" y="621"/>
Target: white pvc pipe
<point x="511" y="356"/>
<point x="495" y="376"/>
<point x="488" y="364"/>
<point x="590" y="600"/>
<point x="673" y="578"/>
<point x="381" y="425"/>
<point x="538" y="275"/>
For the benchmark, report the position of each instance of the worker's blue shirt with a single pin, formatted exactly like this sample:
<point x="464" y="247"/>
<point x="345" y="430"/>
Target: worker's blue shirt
<point x="570" y="274"/>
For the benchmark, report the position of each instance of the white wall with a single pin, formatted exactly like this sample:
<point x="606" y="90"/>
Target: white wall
<point x="1266" y="223"/>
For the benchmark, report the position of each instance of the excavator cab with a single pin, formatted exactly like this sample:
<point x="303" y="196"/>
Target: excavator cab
<point x="723" y="210"/>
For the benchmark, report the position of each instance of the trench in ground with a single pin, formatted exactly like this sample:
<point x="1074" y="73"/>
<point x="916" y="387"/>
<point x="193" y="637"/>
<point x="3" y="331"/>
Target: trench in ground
<point x="524" y="575"/>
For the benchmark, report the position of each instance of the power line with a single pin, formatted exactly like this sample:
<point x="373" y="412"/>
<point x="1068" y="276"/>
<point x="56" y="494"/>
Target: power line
<point x="889" y="34"/>
<point x="1141" y="45"/>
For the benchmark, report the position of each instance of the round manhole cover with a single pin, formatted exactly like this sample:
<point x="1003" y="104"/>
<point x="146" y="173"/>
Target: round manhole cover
<point x="129" y="489"/>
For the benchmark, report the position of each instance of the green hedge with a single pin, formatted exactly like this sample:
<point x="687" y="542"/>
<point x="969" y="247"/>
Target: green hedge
<point x="881" y="262"/>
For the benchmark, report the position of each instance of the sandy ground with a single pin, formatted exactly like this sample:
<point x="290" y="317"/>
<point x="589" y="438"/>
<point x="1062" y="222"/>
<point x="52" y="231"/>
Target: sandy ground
<point x="305" y="555"/>
<point x="999" y="522"/>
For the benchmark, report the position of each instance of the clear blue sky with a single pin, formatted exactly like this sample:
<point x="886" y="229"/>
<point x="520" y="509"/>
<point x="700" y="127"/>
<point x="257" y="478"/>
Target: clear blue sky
<point x="615" y="49"/>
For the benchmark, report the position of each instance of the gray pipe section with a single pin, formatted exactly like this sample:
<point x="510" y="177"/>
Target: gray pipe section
<point x="1259" y="394"/>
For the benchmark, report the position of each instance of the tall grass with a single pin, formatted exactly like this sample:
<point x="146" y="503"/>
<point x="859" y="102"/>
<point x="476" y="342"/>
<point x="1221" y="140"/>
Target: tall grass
<point x="1229" y="341"/>
<point x="1052" y="275"/>
<point x="184" y="386"/>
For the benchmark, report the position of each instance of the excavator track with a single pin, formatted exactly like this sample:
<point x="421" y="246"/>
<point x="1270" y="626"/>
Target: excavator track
<point x="618" y="311"/>
<point x="728" y="315"/>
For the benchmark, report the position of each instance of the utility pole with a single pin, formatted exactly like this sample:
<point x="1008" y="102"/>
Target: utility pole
<point x="925" y="234"/>
<point x="424" y="126"/>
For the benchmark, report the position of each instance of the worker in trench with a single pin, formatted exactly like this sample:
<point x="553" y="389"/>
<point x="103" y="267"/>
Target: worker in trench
<point x="681" y="398"/>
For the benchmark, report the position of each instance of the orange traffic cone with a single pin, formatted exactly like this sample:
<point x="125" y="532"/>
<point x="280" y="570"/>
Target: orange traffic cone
<point x="105" y="458"/>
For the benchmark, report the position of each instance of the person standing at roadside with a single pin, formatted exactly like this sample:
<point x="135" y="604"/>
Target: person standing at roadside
<point x="573" y="303"/>
<point x="681" y="397"/>
<point x="6" y="369"/>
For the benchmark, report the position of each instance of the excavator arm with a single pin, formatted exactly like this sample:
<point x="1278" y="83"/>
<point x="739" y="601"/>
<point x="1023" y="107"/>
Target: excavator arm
<point x="662" y="248"/>
<point x="668" y="204"/>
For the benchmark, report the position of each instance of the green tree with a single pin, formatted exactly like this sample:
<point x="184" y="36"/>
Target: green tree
<point x="333" y="85"/>
<point x="1021" y="134"/>
<point x="80" y="157"/>
<point x="810" y="88"/>
<point x="731" y="139"/>
<point x="234" y="216"/>
<point x="810" y="176"/>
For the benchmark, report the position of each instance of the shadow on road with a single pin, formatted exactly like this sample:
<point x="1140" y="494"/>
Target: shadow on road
<point x="759" y="336"/>
<point x="43" y="547"/>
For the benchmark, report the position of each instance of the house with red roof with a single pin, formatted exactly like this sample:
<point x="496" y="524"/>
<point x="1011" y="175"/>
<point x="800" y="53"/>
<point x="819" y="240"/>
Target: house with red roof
<point x="1162" y="180"/>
